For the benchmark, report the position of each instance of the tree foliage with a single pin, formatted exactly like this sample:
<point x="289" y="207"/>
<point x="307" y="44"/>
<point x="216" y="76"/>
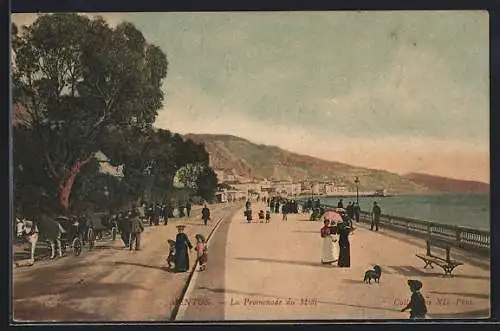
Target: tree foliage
<point x="86" y="88"/>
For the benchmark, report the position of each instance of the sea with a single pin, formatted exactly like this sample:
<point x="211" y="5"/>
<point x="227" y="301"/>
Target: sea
<point x="470" y="210"/>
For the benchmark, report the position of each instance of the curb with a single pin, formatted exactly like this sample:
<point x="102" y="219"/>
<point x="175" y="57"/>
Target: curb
<point x="179" y="310"/>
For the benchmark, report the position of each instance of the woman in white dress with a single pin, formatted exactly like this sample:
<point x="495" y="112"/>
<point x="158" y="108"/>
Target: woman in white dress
<point x="329" y="251"/>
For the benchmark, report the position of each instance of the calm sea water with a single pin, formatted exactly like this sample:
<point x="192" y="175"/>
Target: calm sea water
<point x="471" y="210"/>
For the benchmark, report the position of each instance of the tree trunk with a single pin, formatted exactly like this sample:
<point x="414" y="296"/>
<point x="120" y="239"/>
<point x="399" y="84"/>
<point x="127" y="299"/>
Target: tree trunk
<point x="66" y="187"/>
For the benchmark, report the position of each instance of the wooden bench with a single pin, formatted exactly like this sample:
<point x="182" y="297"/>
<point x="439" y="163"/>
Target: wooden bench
<point x="447" y="264"/>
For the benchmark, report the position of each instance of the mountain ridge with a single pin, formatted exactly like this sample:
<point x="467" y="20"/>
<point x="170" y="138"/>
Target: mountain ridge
<point x="448" y="185"/>
<point x="238" y="156"/>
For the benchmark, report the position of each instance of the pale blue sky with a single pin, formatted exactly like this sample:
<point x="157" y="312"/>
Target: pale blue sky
<point x="402" y="91"/>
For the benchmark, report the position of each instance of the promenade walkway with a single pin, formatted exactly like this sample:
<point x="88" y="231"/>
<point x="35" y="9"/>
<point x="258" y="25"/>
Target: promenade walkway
<point x="272" y="271"/>
<point x="109" y="283"/>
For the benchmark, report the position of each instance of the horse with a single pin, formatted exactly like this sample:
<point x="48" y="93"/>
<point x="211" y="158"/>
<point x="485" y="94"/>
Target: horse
<point x="52" y="233"/>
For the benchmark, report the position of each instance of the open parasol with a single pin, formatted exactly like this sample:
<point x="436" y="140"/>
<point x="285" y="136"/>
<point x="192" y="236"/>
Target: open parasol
<point x="331" y="215"/>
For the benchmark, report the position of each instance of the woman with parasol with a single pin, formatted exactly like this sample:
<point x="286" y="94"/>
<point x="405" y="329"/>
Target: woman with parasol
<point x="182" y="244"/>
<point x="329" y="251"/>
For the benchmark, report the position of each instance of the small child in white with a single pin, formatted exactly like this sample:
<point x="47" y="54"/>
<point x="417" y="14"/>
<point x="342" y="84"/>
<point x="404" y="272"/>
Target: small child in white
<point x="201" y="249"/>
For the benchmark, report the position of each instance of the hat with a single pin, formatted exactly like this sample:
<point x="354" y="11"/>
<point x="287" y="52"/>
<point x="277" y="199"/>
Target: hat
<point x="180" y="227"/>
<point x="414" y="284"/>
<point x="198" y="235"/>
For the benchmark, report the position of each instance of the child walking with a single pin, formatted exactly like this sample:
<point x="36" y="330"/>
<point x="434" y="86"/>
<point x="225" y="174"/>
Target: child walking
<point x="268" y="216"/>
<point x="417" y="301"/>
<point x="171" y="254"/>
<point x="201" y="249"/>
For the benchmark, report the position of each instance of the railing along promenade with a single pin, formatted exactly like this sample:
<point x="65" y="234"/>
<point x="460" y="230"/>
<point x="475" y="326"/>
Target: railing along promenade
<point x="463" y="237"/>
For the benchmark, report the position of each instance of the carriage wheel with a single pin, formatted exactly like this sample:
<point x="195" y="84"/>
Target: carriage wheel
<point x="77" y="246"/>
<point x="113" y="233"/>
<point x="91" y="238"/>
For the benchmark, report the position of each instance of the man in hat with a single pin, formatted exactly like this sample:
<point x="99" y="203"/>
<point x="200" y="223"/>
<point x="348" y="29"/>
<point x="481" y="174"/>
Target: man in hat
<point x="165" y="213"/>
<point x="350" y="210"/>
<point x="357" y="211"/>
<point x="188" y="207"/>
<point x="136" y="229"/>
<point x="417" y="301"/>
<point x="124" y="228"/>
<point x="376" y="212"/>
<point x="205" y="214"/>
<point x="182" y="244"/>
<point x="340" y="204"/>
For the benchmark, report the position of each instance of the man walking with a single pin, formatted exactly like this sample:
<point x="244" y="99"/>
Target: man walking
<point x="340" y="204"/>
<point x="350" y="210"/>
<point x="376" y="211"/>
<point x="205" y="214"/>
<point x="124" y="227"/>
<point x="165" y="213"/>
<point x="357" y="211"/>
<point x="136" y="228"/>
<point x="188" y="208"/>
<point x="151" y="214"/>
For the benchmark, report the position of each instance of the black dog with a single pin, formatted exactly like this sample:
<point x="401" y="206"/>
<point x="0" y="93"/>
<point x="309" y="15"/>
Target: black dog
<point x="373" y="274"/>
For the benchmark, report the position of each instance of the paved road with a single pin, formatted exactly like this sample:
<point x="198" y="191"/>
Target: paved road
<point x="110" y="283"/>
<point x="272" y="271"/>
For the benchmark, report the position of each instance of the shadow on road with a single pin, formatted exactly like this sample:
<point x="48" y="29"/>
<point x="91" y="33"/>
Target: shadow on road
<point x="34" y="311"/>
<point x="101" y="248"/>
<point x="303" y="263"/>
<point x="410" y="271"/>
<point x="483" y="313"/>
<point x="42" y="252"/>
<point x="142" y="265"/>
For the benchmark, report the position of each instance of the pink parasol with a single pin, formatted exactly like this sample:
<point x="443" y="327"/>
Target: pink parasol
<point x="332" y="216"/>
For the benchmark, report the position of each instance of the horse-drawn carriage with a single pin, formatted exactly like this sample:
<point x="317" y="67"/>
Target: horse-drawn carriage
<point x="68" y="234"/>
<point x="73" y="234"/>
<point x="103" y="225"/>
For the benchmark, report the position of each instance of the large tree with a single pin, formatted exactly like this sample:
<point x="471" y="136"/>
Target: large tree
<point x="80" y="82"/>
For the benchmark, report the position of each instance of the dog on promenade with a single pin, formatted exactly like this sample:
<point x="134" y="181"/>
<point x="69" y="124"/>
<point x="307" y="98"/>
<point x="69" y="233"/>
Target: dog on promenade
<point x="374" y="274"/>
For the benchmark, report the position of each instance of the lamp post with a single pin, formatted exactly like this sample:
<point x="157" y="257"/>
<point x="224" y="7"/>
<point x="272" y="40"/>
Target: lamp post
<point x="356" y="181"/>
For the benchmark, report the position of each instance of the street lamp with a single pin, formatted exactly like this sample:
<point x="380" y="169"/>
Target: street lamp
<point x="356" y="181"/>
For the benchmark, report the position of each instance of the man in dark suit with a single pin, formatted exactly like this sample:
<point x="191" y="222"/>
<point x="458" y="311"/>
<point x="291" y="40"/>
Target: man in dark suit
<point x="376" y="212"/>
<point x="205" y="214"/>
<point x="188" y="207"/>
<point x="124" y="227"/>
<point x="136" y="229"/>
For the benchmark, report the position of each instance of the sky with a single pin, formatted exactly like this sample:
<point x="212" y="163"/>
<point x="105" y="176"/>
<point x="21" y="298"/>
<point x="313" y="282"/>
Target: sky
<point x="399" y="91"/>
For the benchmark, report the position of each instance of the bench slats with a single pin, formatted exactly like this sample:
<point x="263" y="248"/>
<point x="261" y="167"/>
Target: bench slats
<point x="447" y="264"/>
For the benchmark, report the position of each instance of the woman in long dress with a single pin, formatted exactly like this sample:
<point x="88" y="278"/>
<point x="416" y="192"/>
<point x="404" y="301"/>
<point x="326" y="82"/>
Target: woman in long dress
<point x="328" y="251"/>
<point x="182" y="244"/>
<point x="345" y="246"/>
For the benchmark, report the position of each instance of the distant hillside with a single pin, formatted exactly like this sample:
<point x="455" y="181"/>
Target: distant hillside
<point x="443" y="184"/>
<point x="241" y="157"/>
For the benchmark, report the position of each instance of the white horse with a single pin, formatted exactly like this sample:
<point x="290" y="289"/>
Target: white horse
<point x="29" y="230"/>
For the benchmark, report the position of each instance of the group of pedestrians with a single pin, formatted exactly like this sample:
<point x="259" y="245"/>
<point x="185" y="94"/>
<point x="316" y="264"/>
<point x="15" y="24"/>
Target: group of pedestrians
<point x="179" y="251"/>
<point x="336" y="246"/>
<point x="157" y="213"/>
<point x="353" y="209"/>
<point x="130" y="226"/>
<point x="180" y="248"/>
